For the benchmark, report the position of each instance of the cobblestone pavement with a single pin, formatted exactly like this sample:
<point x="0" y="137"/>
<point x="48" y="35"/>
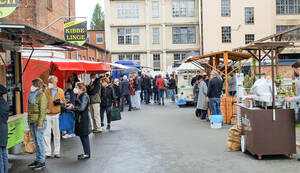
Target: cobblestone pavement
<point x="159" y="139"/>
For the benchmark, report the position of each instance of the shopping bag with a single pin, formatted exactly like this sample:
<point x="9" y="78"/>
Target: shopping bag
<point x="28" y="144"/>
<point x="66" y="121"/>
<point x="115" y="114"/>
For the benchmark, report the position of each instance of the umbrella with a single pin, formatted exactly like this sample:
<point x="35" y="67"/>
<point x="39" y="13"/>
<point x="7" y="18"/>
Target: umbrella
<point x="130" y="70"/>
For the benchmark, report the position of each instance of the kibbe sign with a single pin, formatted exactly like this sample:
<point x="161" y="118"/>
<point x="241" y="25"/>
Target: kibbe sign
<point x="75" y="32"/>
<point x="7" y="7"/>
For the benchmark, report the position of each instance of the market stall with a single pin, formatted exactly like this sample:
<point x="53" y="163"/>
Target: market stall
<point x="62" y="68"/>
<point x="185" y="72"/>
<point x="225" y="63"/>
<point x="268" y="123"/>
<point x="12" y="39"/>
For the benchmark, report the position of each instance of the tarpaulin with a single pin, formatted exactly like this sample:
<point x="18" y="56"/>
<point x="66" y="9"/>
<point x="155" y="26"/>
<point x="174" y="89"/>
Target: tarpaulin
<point x="61" y="68"/>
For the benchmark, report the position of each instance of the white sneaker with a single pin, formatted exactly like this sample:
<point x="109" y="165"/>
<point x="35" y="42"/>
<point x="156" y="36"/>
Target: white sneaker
<point x="66" y="136"/>
<point x="73" y="135"/>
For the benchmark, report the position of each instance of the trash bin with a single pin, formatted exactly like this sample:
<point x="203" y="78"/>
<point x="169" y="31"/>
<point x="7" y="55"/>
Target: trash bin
<point x="17" y="149"/>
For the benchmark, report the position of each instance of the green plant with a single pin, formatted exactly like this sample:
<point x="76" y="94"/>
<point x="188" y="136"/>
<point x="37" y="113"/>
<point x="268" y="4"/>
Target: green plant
<point x="248" y="82"/>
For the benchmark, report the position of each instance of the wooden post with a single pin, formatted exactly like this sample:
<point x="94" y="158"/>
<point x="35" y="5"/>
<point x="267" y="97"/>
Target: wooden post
<point x="226" y="73"/>
<point x="259" y="63"/>
<point x="277" y="62"/>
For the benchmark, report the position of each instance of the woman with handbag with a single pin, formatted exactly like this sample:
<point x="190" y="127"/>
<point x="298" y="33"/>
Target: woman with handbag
<point x="107" y="100"/>
<point x="132" y="92"/>
<point x="82" y="121"/>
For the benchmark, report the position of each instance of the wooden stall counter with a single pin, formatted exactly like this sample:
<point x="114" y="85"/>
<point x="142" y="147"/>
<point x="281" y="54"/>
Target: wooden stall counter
<point x="265" y="135"/>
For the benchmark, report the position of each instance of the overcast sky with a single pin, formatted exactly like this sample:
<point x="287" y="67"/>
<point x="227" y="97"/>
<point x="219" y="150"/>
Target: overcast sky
<point x="85" y="8"/>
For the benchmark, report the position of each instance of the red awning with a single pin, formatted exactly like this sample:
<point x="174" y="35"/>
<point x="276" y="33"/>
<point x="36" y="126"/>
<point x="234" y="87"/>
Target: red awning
<point x="61" y="68"/>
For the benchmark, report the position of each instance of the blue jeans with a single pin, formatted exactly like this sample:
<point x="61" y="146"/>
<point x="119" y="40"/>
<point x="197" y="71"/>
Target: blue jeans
<point x="127" y="96"/>
<point x="214" y="105"/>
<point x="161" y="97"/>
<point x="203" y="114"/>
<point x="38" y="138"/>
<point x="299" y="114"/>
<point x="71" y="131"/>
<point x="85" y="141"/>
<point x="167" y="92"/>
<point x="3" y="160"/>
<point x="138" y="99"/>
<point x="147" y="95"/>
<point x="106" y="109"/>
<point x="172" y="92"/>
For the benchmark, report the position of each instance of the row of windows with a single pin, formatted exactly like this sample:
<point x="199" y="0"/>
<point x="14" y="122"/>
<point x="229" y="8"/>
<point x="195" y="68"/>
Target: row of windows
<point x="178" y="57"/>
<point x="226" y="35"/>
<point x="281" y="28"/>
<point x="290" y="7"/>
<point x="181" y="35"/>
<point x="180" y="8"/>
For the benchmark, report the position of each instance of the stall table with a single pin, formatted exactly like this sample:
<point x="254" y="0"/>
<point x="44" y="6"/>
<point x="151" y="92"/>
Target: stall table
<point x="265" y="136"/>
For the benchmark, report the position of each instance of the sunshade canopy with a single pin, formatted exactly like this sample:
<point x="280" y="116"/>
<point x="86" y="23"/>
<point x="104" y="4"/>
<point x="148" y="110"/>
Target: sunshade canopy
<point x="235" y="56"/>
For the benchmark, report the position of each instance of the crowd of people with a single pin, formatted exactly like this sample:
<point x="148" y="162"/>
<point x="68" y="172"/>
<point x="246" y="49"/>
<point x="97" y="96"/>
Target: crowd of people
<point x="47" y="103"/>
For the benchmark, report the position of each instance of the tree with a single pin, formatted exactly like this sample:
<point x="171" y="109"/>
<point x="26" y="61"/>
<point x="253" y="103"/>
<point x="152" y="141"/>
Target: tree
<point x="98" y="18"/>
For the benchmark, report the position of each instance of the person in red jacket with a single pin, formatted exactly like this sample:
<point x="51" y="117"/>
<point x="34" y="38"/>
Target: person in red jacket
<point x="161" y="86"/>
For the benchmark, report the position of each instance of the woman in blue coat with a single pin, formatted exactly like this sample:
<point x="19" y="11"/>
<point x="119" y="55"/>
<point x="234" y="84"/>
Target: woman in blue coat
<point x="4" y="113"/>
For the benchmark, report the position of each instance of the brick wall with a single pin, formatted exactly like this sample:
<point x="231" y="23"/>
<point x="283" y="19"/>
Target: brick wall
<point x="285" y="71"/>
<point x="36" y="13"/>
<point x="93" y="40"/>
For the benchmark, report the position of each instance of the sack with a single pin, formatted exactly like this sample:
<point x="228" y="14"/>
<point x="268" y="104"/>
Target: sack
<point x="28" y="144"/>
<point x="115" y="114"/>
<point x="66" y="121"/>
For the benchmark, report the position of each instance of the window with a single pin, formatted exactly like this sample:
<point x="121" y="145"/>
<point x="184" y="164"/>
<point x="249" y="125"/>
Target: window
<point x="127" y="10"/>
<point x="226" y="34"/>
<point x="99" y="38"/>
<point x="49" y="4"/>
<point x="183" y="8"/>
<point x="225" y="8"/>
<point x="178" y="57"/>
<point x="249" y="15"/>
<point x="155" y="9"/>
<point x="156" y="62"/>
<point x="130" y="57"/>
<point x="121" y="57"/>
<point x="155" y="36"/>
<point x="128" y="36"/>
<point x="288" y="6"/>
<point x="184" y="35"/>
<point x="249" y="38"/>
<point x="280" y="28"/>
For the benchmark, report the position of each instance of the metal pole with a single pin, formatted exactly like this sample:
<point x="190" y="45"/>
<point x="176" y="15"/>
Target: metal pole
<point x="61" y="17"/>
<point x="273" y="87"/>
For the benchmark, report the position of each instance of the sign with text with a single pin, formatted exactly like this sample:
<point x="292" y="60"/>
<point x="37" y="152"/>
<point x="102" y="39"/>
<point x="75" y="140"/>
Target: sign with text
<point x="7" y="7"/>
<point x="75" y="32"/>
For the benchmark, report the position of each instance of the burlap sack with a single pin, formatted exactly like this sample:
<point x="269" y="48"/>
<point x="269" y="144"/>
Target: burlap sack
<point x="234" y="138"/>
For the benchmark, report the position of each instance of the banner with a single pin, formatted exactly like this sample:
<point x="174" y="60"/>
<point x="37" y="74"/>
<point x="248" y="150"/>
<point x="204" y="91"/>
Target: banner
<point x="15" y="132"/>
<point x="7" y="7"/>
<point x="75" y="32"/>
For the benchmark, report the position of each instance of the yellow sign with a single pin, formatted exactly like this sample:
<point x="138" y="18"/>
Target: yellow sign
<point x="7" y="7"/>
<point x="75" y="32"/>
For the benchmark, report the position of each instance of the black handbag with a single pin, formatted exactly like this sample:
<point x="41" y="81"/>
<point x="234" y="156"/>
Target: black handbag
<point x="115" y="114"/>
<point x="56" y="102"/>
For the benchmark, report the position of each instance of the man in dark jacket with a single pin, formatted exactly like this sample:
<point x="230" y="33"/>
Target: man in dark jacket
<point x="138" y="88"/>
<point x="172" y="87"/>
<point x="4" y="113"/>
<point x="195" y="78"/>
<point x="107" y="100"/>
<point x="214" y="93"/>
<point x="125" y="88"/>
<point x="93" y="90"/>
<point x="147" y="88"/>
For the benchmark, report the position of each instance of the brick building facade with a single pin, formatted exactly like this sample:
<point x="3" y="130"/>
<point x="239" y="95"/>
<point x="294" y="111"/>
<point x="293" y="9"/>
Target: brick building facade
<point x="40" y="13"/>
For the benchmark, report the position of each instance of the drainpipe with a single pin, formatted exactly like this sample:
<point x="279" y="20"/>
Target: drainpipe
<point x="200" y="6"/>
